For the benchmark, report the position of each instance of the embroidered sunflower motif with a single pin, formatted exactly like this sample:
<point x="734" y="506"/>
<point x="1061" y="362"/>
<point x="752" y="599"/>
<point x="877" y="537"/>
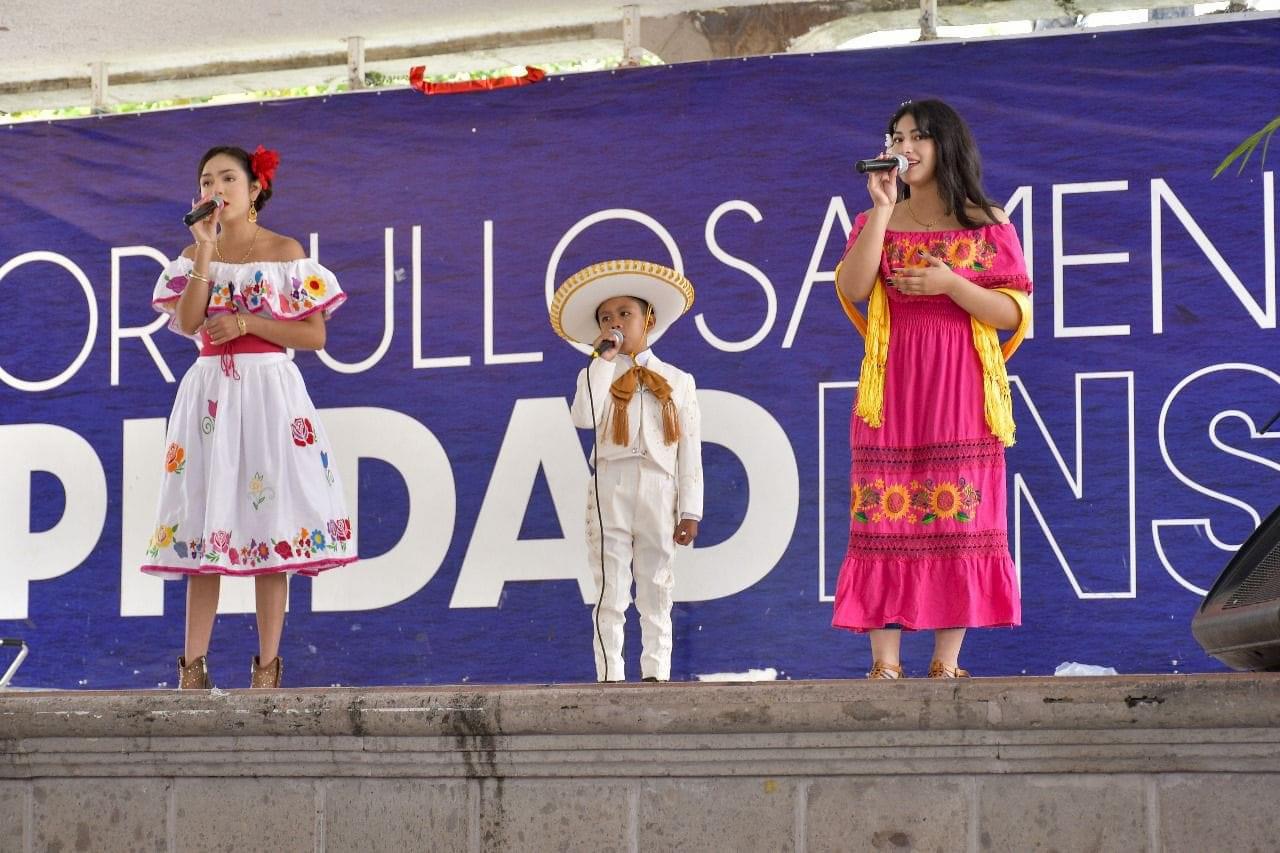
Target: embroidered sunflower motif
<point x="896" y="502"/>
<point x="314" y="286"/>
<point x="961" y="253"/>
<point x="945" y="501"/>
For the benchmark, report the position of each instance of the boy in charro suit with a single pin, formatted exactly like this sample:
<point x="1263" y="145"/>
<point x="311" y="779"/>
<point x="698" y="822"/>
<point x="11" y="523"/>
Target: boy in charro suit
<point x="646" y="496"/>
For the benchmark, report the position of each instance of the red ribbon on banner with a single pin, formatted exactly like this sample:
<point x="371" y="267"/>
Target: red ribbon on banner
<point x="418" y="72"/>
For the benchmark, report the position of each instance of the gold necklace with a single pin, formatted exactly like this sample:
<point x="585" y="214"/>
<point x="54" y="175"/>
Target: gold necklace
<point x="217" y="247"/>
<point x="926" y="225"/>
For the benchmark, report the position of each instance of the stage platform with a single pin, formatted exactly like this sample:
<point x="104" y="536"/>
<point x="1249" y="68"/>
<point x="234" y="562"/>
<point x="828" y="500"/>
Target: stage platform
<point x="1159" y="763"/>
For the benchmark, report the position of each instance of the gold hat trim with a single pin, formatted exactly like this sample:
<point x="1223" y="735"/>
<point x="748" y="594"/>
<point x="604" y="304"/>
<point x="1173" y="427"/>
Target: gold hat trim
<point x="583" y="277"/>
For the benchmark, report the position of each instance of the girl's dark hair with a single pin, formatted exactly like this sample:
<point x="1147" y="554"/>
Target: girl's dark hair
<point x="959" y="169"/>
<point x="644" y="306"/>
<point x="242" y="157"/>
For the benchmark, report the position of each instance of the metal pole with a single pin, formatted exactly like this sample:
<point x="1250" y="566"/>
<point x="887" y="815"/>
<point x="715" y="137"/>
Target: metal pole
<point x="355" y="61"/>
<point x="98" y="87"/>
<point x="22" y="655"/>
<point x="631" y="34"/>
<point x="928" y="20"/>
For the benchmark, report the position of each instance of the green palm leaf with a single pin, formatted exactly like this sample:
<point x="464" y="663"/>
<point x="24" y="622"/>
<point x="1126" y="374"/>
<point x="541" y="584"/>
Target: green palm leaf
<point x="1247" y="148"/>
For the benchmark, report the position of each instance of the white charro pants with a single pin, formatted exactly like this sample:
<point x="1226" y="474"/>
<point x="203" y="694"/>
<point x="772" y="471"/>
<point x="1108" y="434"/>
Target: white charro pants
<point x="638" y="505"/>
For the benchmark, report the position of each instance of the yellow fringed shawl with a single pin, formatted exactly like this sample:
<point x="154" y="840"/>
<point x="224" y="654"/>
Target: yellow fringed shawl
<point x="998" y="403"/>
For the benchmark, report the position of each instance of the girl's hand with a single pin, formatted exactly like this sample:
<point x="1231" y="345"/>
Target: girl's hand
<point x="936" y="278"/>
<point x="883" y="187"/>
<point x="686" y="531"/>
<point x="224" y="328"/>
<point x="205" y="232"/>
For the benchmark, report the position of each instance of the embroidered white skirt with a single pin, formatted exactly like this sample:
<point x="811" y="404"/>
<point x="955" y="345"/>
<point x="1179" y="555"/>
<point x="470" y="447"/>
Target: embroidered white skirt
<point x="250" y="485"/>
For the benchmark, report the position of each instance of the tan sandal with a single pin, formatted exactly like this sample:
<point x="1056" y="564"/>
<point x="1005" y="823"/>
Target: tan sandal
<point x="194" y="675"/>
<point x="938" y="669"/>
<point x="268" y="675"/>
<point x="889" y="671"/>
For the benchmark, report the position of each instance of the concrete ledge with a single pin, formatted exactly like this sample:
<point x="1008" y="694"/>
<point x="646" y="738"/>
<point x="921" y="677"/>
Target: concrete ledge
<point x="1158" y="763"/>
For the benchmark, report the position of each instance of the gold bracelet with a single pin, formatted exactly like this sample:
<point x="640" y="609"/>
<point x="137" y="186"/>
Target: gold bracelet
<point x="240" y="322"/>
<point x="198" y="276"/>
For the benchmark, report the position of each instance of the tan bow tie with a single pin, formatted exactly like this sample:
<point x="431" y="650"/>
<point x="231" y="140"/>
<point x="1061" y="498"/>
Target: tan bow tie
<point x="624" y="388"/>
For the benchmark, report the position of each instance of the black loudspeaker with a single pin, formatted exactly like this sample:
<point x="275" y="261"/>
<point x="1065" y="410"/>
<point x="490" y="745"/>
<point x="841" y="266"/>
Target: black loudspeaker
<point x="1239" y="620"/>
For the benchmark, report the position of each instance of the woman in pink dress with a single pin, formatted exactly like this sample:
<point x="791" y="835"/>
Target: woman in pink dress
<point x="941" y="270"/>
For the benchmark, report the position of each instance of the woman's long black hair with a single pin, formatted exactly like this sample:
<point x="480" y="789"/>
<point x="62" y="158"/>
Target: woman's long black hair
<point x="959" y="169"/>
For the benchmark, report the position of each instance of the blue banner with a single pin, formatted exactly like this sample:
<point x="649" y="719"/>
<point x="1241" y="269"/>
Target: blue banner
<point x="1139" y="397"/>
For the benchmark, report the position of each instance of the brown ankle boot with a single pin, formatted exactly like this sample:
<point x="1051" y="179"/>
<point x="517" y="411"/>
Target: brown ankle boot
<point x="266" y="676"/>
<point x="194" y="675"/>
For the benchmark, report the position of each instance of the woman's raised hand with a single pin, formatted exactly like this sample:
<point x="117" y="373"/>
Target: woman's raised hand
<point x="883" y="186"/>
<point x="205" y="231"/>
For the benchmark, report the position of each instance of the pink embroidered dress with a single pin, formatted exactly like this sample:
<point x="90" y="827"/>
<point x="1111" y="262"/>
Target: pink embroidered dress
<point x="928" y="545"/>
<point x="250" y="485"/>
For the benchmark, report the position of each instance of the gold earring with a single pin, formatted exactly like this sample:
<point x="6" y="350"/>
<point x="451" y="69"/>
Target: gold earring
<point x="253" y="212"/>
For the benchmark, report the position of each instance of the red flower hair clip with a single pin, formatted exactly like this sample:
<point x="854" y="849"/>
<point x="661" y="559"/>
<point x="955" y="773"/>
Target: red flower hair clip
<point x="263" y="163"/>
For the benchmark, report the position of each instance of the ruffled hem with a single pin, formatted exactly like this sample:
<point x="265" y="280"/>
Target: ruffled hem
<point x="904" y="625"/>
<point x="310" y="569"/>
<point x="166" y="306"/>
<point x="965" y="592"/>
<point x="281" y="290"/>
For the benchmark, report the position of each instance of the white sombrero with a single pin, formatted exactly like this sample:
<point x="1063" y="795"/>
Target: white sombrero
<point x="573" y="308"/>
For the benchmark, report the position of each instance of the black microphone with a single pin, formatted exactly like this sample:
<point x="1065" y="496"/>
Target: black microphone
<point x="606" y="345"/>
<point x="202" y="210"/>
<point x="884" y="164"/>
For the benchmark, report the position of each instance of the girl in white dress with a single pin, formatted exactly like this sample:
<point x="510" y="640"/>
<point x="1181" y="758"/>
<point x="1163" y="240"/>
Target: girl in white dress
<point x="250" y="486"/>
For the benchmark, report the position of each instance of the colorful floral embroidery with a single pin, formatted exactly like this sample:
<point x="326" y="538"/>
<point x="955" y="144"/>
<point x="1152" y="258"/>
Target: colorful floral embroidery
<point x="303" y="433"/>
<point x="961" y="252"/>
<point x="914" y="502"/>
<point x="340" y="529"/>
<point x="255" y="292"/>
<point x="219" y="543"/>
<point x="314" y="286"/>
<point x="324" y="462"/>
<point x="175" y="458"/>
<point x="310" y="543"/>
<point x="210" y="420"/>
<point x="259" y="491"/>
<point x="282" y="290"/>
<point x="162" y="538"/>
<point x="896" y="502"/>
<point x="191" y="549"/>
<point x="220" y="295"/>
<point x="304" y="294"/>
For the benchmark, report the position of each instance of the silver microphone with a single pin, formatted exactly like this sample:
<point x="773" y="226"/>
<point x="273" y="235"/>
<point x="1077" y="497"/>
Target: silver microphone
<point x="200" y="211"/>
<point x="884" y="164"/>
<point x="606" y="345"/>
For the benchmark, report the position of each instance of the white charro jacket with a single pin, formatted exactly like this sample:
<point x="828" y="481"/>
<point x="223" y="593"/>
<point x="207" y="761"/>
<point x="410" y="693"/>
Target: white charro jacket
<point x="682" y="460"/>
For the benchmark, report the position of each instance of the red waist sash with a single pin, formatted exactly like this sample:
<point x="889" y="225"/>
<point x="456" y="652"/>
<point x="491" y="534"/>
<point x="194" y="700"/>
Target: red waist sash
<point x="237" y="346"/>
